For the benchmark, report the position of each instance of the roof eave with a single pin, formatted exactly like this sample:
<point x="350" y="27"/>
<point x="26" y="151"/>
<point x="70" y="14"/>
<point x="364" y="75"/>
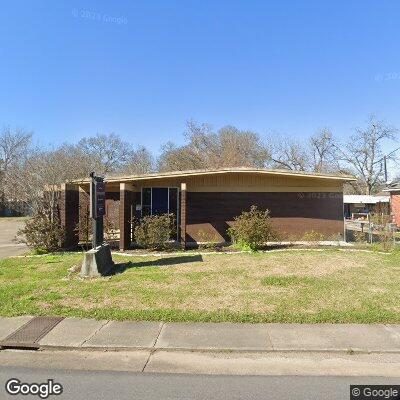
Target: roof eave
<point x="175" y="174"/>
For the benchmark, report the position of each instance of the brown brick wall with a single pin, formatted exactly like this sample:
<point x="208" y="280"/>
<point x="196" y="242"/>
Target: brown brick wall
<point x="126" y="198"/>
<point x="395" y="207"/>
<point x="112" y="208"/>
<point x="69" y="214"/>
<point x="292" y="214"/>
<point x="84" y="202"/>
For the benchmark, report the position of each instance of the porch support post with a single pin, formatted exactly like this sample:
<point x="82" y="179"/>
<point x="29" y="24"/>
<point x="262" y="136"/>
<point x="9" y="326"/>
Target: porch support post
<point x="69" y="214"/>
<point x="183" y="214"/>
<point x="125" y="203"/>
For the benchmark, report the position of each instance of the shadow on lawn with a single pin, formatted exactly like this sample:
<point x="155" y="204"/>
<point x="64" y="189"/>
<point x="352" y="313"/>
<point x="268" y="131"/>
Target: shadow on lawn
<point x="161" y="262"/>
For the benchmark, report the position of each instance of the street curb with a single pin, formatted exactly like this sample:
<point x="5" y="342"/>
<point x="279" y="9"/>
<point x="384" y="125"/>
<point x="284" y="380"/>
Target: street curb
<point x="213" y="350"/>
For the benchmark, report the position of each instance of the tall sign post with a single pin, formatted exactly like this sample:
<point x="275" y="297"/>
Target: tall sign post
<point x="98" y="260"/>
<point x="97" y="208"/>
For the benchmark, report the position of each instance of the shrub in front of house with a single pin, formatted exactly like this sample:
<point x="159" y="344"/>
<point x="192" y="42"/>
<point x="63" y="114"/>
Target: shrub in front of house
<point x="208" y="241"/>
<point x="252" y="229"/>
<point x="313" y="236"/>
<point x="154" y="231"/>
<point x="42" y="233"/>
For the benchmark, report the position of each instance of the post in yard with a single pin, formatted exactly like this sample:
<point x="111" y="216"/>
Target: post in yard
<point x="98" y="260"/>
<point x="97" y="208"/>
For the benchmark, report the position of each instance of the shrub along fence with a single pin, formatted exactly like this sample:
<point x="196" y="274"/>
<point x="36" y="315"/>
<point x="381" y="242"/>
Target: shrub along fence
<point x="376" y="229"/>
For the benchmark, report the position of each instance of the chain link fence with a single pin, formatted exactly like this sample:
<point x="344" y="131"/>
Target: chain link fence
<point x="373" y="229"/>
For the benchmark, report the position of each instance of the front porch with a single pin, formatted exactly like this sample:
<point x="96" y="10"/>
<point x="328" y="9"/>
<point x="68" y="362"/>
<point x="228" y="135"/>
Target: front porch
<point x="125" y="202"/>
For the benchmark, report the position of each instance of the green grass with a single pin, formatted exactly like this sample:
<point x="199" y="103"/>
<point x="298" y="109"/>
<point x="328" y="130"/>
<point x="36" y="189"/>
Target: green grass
<point x="288" y="286"/>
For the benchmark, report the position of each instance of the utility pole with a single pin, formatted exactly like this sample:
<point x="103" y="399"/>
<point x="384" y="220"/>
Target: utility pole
<point x="385" y="169"/>
<point x="384" y="160"/>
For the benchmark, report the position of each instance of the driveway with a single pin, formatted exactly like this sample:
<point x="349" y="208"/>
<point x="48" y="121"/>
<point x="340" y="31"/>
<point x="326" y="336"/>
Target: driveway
<point x="8" y="230"/>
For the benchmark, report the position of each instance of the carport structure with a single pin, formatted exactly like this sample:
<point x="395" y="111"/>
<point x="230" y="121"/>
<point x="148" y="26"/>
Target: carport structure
<point x="205" y="202"/>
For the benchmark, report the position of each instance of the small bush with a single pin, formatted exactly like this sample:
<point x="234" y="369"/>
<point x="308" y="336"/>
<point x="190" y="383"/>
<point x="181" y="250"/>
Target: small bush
<point x="335" y="237"/>
<point x="209" y="241"/>
<point x="380" y="219"/>
<point x="110" y="229"/>
<point x="359" y="237"/>
<point x="43" y="234"/>
<point x="154" y="232"/>
<point x="313" y="236"/>
<point x="84" y="229"/>
<point x="252" y="229"/>
<point x="386" y="239"/>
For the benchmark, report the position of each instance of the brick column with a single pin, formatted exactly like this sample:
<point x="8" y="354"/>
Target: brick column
<point x="183" y="214"/>
<point x="69" y="214"/>
<point x="125" y="217"/>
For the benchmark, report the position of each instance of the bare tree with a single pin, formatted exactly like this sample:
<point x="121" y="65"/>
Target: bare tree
<point x="174" y="158"/>
<point x="140" y="161"/>
<point x="108" y="152"/>
<point x="14" y="145"/>
<point x="240" y="148"/>
<point x="323" y="151"/>
<point x="288" y="153"/>
<point x="363" y="153"/>
<point x="228" y="147"/>
<point x="38" y="175"/>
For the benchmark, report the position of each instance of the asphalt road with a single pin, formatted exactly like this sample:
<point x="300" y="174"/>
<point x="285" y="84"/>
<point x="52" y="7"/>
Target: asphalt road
<point x="8" y="230"/>
<point x="107" y="385"/>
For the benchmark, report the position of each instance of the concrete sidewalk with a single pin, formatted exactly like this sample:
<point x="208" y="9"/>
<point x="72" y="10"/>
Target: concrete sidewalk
<point x="73" y="333"/>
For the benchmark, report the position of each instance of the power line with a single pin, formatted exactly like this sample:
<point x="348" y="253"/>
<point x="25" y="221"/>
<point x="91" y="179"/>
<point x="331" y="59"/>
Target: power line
<point x="384" y="159"/>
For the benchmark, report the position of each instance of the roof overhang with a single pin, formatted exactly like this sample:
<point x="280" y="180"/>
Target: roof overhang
<point x="394" y="188"/>
<point x="364" y="199"/>
<point x="191" y="173"/>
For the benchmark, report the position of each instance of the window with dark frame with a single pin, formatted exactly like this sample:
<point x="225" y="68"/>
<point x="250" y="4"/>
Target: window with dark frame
<point x="159" y="200"/>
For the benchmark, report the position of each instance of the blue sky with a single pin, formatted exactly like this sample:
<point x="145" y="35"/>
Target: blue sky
<point x="141" y="69"/>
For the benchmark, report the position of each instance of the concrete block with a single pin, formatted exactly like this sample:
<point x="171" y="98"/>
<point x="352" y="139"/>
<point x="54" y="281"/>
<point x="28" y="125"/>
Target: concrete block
<point x="125" y="335"/>
<point x="212" y="336"/>
<point x="97" y="262"/>
<point x="71" y="332"/>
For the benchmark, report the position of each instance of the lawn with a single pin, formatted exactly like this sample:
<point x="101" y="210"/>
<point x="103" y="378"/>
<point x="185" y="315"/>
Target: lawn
<point x="283" y="286"/>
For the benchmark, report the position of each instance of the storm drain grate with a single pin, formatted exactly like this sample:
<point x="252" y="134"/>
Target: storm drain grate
<point x="28" y="335"/>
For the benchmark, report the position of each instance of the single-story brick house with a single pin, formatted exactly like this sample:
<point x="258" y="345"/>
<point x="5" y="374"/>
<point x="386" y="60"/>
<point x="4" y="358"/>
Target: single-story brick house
<point x="394" y="190"/>
<point x="205" y="202"/>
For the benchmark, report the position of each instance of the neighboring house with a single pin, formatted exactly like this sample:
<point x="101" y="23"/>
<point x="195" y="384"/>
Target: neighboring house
<point x="359" y="206"/>
<point x="394" y="190"/>
<point x="205" y="202"/>
<point x="14" y="208"/>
